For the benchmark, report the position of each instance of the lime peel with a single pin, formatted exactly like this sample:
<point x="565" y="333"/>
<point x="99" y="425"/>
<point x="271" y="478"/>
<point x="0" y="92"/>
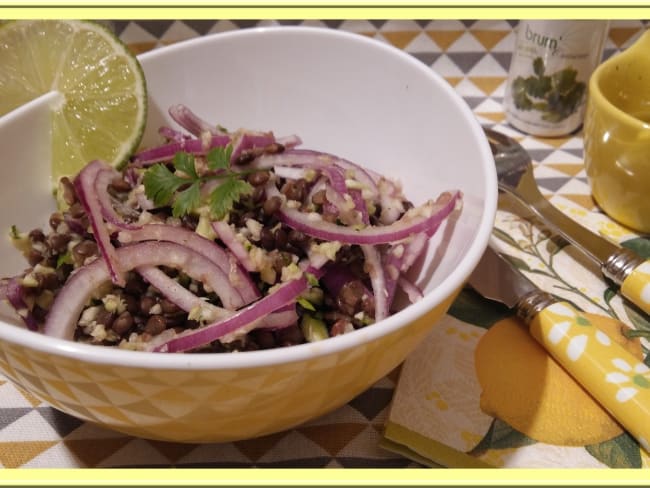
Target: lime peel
<point x="102" y="111"/>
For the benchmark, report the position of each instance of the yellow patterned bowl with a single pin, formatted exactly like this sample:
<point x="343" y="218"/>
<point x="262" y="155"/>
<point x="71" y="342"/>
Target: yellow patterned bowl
<point x="617" y="135"/>
<point x="341" y="92"/>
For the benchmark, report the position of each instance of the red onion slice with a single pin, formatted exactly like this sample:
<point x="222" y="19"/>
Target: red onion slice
<point x="166" y="152"/>
<point x="71" y="299"/>
<point x="173" y="135"/>
<point x="238" y="279"/>
<point x="228" y="236"/>
<point x="411" y="289"/>
<point x="191" y="122"/>
<point x="316" y="159"/>
<point x="85" y="187"/>
<point x="178" y="294"/>
<point x="244" y="140"/>
<point x="103" y="179"/>
<point x="14" y="293"/>
<point x="279" y="319"/>
<point x="290" y="141"/>
<point x="188" y="301"/>
<point x="420" y="219"/>
<point x="283" y="294"/>
<point x="375" y="270"/>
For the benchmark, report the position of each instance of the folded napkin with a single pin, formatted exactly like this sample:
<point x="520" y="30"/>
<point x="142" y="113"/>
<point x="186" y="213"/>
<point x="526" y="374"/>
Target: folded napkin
<point x="480" y="392"/>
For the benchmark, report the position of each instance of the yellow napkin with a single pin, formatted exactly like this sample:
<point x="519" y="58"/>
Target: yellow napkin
<point x="480" y="392"/>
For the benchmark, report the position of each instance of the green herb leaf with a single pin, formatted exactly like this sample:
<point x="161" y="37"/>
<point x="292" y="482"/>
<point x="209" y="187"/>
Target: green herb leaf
<point x="311" y="279"/>
<point x="219" y="157"/>
<point x="225" y="195"/>
<point x="182" y="190"/>
<point x="187" y="200"/>
<point x="14" y="232"/>
<point x="306" y="304"/>
<point x="185" y="162"/>
<point x="64" y="259"/>
<point x="160" y="184"/>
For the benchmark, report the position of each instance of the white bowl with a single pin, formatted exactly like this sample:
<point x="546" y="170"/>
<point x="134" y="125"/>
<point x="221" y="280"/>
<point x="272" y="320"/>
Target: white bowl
<point x="340" y="92"/>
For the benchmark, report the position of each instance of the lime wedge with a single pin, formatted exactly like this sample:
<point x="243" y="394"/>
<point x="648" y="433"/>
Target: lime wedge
<point x="103" y="91"/>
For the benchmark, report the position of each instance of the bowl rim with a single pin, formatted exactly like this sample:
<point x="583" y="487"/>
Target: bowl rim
<point x="261" y="358"/>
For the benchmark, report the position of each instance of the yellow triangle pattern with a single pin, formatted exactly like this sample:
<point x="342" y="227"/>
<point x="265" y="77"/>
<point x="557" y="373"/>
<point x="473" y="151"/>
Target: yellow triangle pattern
<point x="585" y="201"/>
<point x="446" y="38"/>
<point x="556" y="142"/>
<point x="400" y="39"/>
<point x="489" y="38"/>
<point x="16" y="454"/>
<point x="620" y="35"/>
<point x="453" y="80"/>
<point x="487" y="84"/>
<point x="571" y="169"/>
<point x="496" y="117"/>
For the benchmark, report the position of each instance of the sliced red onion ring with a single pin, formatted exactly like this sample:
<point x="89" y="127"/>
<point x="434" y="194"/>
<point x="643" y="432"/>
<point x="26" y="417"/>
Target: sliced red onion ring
<point x="283" y="294"/>
<point x="360" y="206"/>
<point x="211" y="250"/>
<point x="289" y="141"/>
<point x="178" y="294"/>
<point x="245" y="140"/>
<point x="188" y="301"/>
<point x="15" y="295"/>
<point x="420" y="219"/>
<point x="376" y="272"/>
<point x="173" y="135"/>
<point x="191" y="122"/>
<point x="399" y="258"/>
<point x="228" y="236"/>
<point x="71" y="299"/>
<point x="280" y="319"/>
<point x="85" y="187"/>
<point x="290" y="172"/>
<point x="411" y="289"/>
<point x="102" y="180"/>
<point x="316" y="159"/>
<point x="167" y="151"/>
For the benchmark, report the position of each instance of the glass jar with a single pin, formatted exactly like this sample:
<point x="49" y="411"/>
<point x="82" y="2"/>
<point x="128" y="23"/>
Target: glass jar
<point x="549" y="73"/>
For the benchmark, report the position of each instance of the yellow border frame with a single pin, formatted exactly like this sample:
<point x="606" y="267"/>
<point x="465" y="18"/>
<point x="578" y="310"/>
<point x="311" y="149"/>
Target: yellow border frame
<point x="323" y="9"/>
<point x="324" y="477"/>
<point x="360" y="9"/>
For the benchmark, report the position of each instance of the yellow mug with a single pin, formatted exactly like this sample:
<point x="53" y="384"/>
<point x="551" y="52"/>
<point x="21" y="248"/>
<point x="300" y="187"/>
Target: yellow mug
<point x="617" y="135"/>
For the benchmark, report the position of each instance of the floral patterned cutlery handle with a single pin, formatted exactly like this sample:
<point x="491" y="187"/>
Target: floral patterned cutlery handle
<point x="636" y="286"/>
<point x="613" y="376"/>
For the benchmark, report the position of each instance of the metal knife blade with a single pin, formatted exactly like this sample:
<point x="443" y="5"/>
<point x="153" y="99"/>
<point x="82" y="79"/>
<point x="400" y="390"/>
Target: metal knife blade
<point x="496" y="279"/>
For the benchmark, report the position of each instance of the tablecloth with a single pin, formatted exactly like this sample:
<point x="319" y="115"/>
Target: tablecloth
<point x="473" y="56"/>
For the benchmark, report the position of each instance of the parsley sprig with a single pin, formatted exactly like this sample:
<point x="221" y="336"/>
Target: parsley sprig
<point x="181" y="188"/>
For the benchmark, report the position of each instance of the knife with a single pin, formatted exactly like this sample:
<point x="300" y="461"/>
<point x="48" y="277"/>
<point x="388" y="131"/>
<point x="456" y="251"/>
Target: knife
<point x="613" y="376"/>
<point x="626" y="269"/>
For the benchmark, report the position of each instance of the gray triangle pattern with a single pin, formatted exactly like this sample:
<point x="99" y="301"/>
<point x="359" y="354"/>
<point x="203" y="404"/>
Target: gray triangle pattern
<point x="464" y="60"/>
<point x="551" y="184"/>
<point x="9" y="415"/>
<point x="63" y="424"/>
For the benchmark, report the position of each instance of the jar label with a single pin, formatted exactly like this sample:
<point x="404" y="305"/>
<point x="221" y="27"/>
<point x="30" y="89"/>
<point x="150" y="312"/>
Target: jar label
<point x="549" y="73"/>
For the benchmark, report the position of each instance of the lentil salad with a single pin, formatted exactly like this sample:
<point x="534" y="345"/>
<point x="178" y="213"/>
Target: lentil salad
<point x="218" y="241"/>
